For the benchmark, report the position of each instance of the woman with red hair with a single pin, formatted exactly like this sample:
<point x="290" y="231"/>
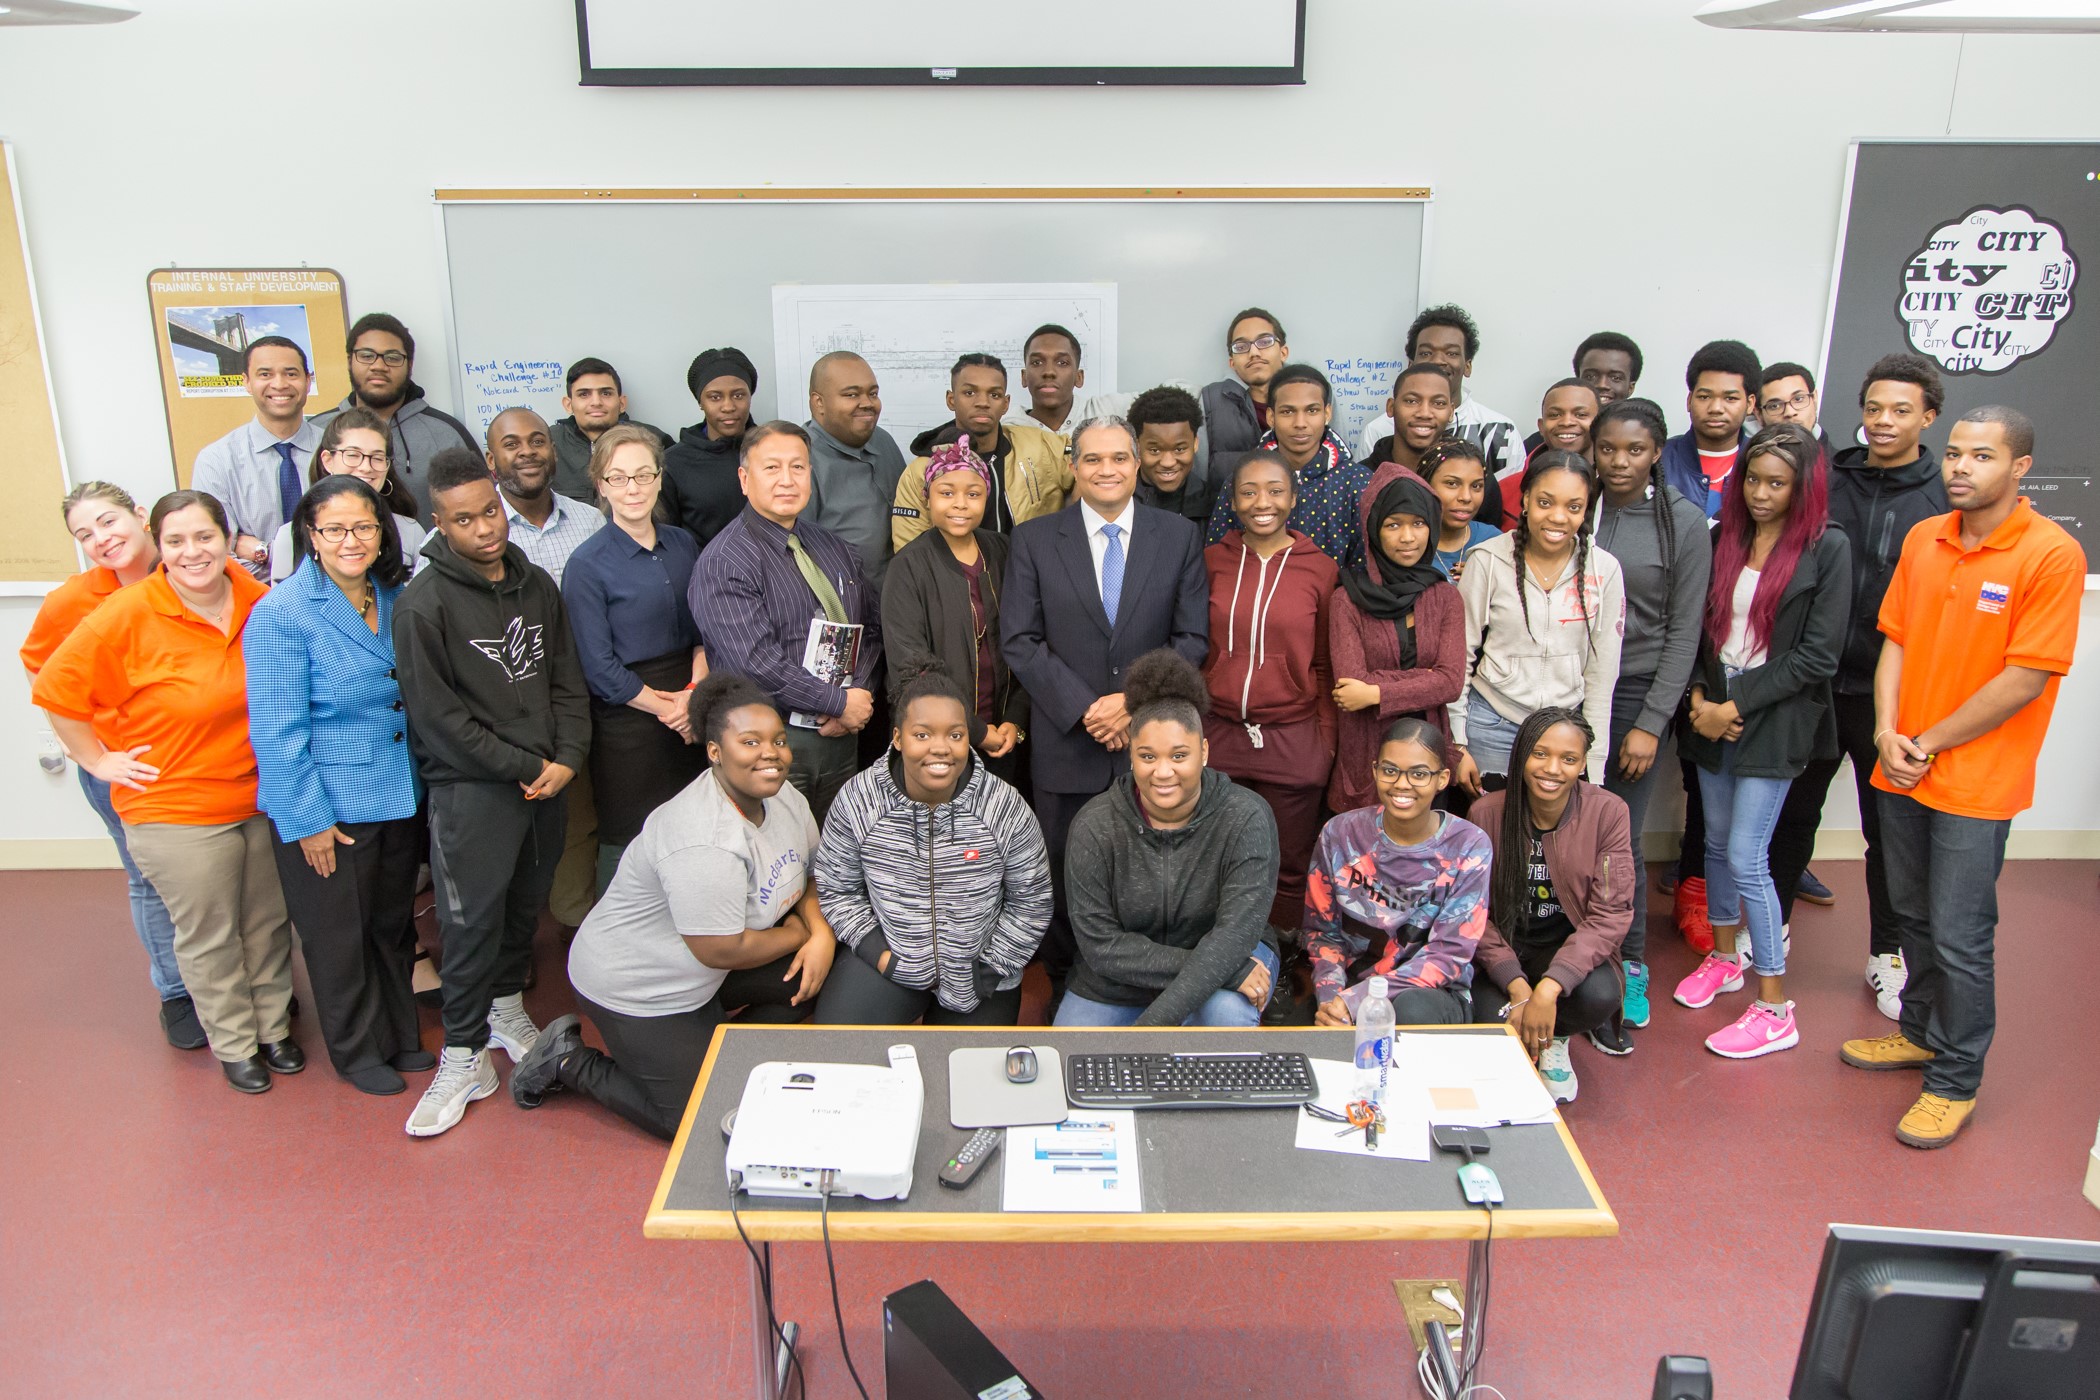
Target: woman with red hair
<point x="1760" y="711"/>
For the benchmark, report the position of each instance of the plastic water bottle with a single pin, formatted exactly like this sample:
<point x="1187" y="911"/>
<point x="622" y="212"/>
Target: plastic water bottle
<point x="1374" y="1042"/>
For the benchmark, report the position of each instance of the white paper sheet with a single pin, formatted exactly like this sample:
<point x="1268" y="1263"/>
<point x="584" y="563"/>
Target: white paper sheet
<point x="910" y="334"/>
<point x="1474" y="1081"/>
<point x="1089" y="1162"/>
<point x="1406" y="1133"/>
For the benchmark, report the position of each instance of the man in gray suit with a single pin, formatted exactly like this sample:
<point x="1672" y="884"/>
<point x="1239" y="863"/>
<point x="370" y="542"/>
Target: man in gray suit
<point x="1088" y="591"/>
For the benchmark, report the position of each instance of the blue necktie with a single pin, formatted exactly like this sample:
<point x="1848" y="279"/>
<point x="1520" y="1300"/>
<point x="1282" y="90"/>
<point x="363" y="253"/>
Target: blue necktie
<point x="288" y="488"/>
<point x="1112" y="572"/>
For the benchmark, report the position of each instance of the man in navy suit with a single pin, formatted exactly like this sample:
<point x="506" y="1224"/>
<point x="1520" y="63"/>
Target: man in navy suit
<point x="1088" y="591"/>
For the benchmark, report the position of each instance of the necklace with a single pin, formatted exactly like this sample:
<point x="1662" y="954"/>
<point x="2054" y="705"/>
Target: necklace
<point x="364" y="607"/>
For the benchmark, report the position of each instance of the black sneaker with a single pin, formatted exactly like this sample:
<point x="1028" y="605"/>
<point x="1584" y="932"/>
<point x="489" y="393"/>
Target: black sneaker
<point x="538" y="1074"/>
<point x="1611" y="1038"/>
<point x="178" y="1021"/>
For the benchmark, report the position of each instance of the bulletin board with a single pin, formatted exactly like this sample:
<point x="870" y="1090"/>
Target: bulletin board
<point x="204" y="318"/>
<point x="35" y="550"/>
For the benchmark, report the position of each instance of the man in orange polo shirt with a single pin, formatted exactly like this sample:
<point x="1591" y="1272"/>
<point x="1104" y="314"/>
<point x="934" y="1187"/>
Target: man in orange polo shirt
<point x="1980" y="621"/>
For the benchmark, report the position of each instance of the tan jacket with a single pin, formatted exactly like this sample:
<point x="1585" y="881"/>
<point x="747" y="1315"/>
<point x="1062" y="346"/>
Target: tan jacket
<point x="1038" y="482"/>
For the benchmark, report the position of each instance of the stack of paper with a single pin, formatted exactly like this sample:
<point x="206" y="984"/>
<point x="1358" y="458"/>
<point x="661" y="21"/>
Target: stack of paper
<point x="1472" y="1081"/>
<point x="1089" y="1162"/>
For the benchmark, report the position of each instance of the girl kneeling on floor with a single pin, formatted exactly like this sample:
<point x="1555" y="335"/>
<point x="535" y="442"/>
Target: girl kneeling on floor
<point x="1760" y="711"/>
<point x="1563" y="896"/>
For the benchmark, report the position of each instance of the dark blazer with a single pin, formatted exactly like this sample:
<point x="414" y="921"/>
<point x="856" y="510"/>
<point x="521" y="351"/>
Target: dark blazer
<point x="1057" y="639"/>
<point x="1785" y="702"/>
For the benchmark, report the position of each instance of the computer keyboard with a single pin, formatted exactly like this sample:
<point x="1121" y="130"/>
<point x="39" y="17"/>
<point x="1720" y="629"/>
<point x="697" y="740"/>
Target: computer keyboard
<point x="1254" y="1079"/>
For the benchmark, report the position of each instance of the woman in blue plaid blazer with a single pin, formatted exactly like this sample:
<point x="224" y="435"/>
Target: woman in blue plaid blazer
<point x="337" y="779"/>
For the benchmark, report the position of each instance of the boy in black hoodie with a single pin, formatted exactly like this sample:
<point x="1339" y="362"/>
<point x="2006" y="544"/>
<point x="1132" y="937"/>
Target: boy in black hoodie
<point x="499" y="723"/>
<point x="1877" y="493"/>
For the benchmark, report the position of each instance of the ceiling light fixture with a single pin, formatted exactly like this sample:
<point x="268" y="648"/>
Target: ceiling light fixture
<point x="1908" y="16"/>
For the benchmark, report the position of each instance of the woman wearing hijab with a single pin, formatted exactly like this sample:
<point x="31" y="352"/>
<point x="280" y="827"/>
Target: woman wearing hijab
<point x="1396" y="631"/>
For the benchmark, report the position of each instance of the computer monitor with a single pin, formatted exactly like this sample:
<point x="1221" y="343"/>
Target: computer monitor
<point x="1938" y="1315"/>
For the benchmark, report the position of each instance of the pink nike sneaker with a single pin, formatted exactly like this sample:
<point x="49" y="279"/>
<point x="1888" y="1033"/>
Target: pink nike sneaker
<point x="1756" y="1032"/>
<point x="1708" y="980"/>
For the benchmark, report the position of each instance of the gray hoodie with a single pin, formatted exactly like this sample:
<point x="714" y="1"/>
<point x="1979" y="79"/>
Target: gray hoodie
<point x="1165" y="918"/>
<point x="1663" y="615"/>
<point x="419" y="432"/>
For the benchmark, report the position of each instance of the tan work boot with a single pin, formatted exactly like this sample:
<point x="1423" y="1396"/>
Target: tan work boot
<point x="1891" y="1051"/>
<point x="1933" y="1121"/>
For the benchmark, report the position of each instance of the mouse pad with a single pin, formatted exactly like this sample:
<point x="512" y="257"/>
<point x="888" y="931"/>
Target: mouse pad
<point x="981" y="1096"/>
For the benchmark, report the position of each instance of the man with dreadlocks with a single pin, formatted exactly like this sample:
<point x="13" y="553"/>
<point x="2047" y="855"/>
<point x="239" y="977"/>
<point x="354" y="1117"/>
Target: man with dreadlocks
<point x="1545" y="619"/>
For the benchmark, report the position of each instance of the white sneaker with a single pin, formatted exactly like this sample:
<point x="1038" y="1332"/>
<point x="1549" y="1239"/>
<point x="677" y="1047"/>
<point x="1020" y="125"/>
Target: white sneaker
<point x="1887" y="975"/>
<point x="463" y="1076"/>
<point x="1557" y="1069"/>
<point x="1748" y="959"/>
<point x="511" y="1028"/>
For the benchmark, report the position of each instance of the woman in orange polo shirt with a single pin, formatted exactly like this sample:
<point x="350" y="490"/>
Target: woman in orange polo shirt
<point x="112" y="533"/>
<point x="158" y="670"/>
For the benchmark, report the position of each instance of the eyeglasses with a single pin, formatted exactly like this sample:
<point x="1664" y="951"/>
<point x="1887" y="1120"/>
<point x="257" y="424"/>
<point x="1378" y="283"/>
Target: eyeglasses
<point x="366" y="532"/>
<point x="355" y="457"/>
<point x="1413" y="777"/>
<point x="1800" y="400"/>
<point x="1260" y="342"/>
<point x="367" y="356"/>
<point x="620" y="481"/>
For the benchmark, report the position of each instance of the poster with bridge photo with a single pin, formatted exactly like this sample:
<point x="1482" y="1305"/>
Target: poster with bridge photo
<point x="208" y="343"/>
<point x="204" y="320"/>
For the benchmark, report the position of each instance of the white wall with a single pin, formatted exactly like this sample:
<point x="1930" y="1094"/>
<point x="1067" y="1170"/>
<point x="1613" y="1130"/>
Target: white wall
<point x="1594" y="163"/>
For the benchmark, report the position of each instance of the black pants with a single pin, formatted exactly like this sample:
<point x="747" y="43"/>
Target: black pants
<point x="1431" y="1006"/>
<point x="1691" y="856"/>
<point x="1627" y="698"/>
<point x="1794" y="839"/>
<point x="1943" y="879"/>
<point x="646" y="1071"/>
<point x="822" y="765"/>
<point x="1583" y="1007"/>
<point x="360" y="945"/>
<point x="492" y="860"/>
<point x="1055" y="810"/>
<point x="857" y="995"/>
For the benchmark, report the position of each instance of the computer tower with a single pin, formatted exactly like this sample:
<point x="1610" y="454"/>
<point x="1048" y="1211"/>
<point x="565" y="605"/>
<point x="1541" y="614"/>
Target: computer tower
<point x="931" y="1351"/>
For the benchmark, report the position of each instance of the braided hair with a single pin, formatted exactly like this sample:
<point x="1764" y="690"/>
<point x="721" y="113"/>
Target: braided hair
<point x="1647" y="415"/>
<point x="1509" y="903"/>
<point x="1555" y="459"/>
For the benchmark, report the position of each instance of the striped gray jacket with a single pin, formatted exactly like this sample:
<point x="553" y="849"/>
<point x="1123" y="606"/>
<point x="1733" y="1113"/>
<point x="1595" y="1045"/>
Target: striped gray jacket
<point x="944" y="889"/>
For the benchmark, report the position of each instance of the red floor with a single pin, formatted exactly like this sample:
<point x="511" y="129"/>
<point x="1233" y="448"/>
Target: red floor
<point x="165" y="1236"/>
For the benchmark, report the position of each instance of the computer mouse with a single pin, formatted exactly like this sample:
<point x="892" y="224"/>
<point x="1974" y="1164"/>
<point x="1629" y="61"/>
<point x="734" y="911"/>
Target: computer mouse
<point x="1020" y="1065"/>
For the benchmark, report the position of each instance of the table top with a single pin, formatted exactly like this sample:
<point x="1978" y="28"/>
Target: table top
<point x="1206" y="1174"/>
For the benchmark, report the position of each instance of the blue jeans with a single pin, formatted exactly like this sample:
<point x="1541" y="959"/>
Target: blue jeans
<point x="1489" y="736"/>
<point x="1224" y="1009"/>
<point x="1943" y="885"/>
<point x="1740" y="816"/>
<point x="148" y="915"/>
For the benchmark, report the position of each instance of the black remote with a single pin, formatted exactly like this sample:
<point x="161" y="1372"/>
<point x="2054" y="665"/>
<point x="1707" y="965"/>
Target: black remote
<point x="974" y="1154"/>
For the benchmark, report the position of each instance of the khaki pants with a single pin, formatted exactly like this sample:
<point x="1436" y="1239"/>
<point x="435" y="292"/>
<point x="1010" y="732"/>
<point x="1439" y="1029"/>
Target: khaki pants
<point x="576" y="878"/>
<point x="233" y="940"/>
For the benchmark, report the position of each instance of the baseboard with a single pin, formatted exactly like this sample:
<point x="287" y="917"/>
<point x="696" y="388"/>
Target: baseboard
<point x="85" y="853"/>
<point x="1662" y="846"/>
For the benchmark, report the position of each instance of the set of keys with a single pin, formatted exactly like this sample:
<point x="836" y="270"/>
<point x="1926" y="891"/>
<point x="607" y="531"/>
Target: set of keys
<point x="1361" y="1115"/>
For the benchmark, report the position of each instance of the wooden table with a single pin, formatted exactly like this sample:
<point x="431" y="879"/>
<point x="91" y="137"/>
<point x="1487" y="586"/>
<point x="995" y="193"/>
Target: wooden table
<point x="1206" y="1175"/>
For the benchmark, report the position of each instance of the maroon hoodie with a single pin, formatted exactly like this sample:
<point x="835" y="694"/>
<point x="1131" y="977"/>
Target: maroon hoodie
<point x="1267" y="669"/>
<point x="1368" y="649"/>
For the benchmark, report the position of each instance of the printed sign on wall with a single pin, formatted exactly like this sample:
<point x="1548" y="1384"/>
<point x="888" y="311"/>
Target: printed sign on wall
<point x="1989" y="290"/>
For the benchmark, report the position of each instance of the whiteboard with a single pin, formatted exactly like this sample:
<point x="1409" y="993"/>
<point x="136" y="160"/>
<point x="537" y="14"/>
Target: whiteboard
<point x="646" y="283"/>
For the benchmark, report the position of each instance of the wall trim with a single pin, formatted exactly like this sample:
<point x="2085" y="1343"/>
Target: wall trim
<point x="81" y="853"/>
<point x="1840" y="844"/>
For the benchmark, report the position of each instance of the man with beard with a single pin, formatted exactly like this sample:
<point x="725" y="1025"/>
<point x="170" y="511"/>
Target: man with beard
<point x="1030" y="475"/>
<point x="596" y="401"/>
<point x="700" y="488"/>
<point x="382" y="366"/>
<point x="1425" y="395"/>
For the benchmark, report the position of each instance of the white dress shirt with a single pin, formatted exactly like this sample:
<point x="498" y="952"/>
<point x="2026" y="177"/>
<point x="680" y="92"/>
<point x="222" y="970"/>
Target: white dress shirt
<point x="1097" y="543"/>
<point x="241" y="470"/>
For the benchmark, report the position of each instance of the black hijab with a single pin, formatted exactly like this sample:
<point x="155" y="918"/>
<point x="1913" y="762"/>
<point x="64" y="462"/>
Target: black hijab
<point x="1393" y="599"/>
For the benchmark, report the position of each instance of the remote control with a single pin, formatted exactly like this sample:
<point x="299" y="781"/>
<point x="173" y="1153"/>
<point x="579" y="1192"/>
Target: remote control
<point x="974" y="1154"/>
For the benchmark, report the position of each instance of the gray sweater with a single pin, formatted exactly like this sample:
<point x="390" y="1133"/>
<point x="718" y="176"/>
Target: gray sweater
<point x="1165" y="918"/>
<point x="1662" y="615"/>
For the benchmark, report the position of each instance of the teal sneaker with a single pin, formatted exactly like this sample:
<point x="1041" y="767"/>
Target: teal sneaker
<point x="1557" y="1069"/>
<point x="1635" y="1013"/>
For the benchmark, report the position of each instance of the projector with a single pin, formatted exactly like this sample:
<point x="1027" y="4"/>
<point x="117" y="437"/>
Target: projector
<point x="860" y="1123"/>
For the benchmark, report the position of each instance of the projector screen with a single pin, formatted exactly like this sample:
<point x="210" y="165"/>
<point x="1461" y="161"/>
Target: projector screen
<point x="712" y="42"/>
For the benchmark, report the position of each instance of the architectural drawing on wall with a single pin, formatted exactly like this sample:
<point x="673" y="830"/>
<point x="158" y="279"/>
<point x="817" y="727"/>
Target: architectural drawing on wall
<point x="912" y="333"/>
